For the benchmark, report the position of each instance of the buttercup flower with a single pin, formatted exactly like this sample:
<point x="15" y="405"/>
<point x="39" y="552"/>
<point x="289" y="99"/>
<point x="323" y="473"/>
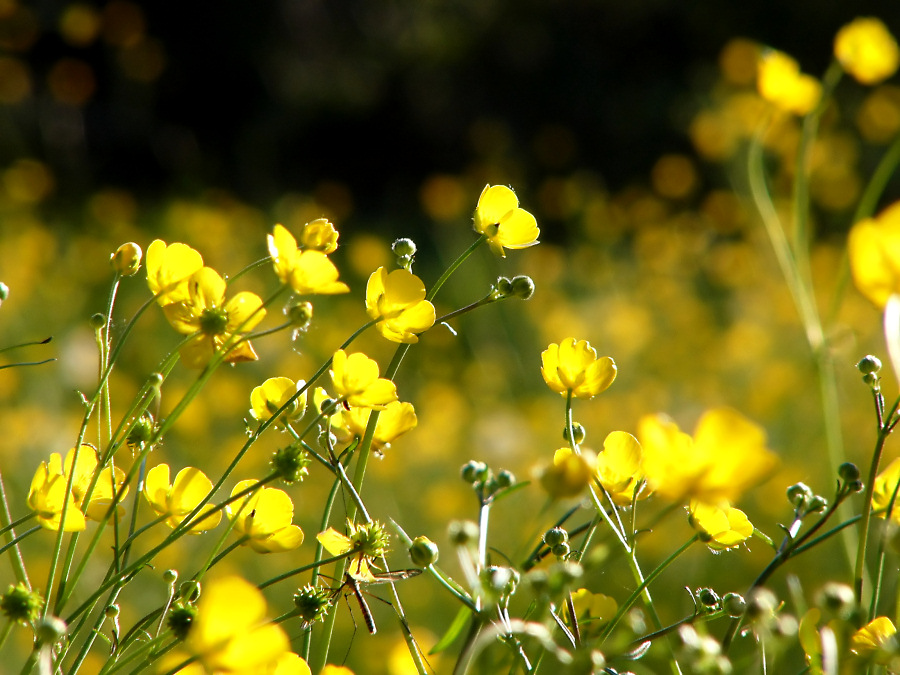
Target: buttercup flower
<point x="874" y="251"/>
<point x="396" y="419"/>
<point x="574" y="366"/>
<point x="397" y="301"/>
<point x="47" y="496"/>
<point x="593" y="609"/>
<point x="266" y="517"/>
<point x="306" y="272"/>
<point x="177" y="499"/>
<point x="366" y="540"/>
<point x="331" y="669"/>
<point x="93" y="506"/>
<point x="357" y="383"/>
<point x="169" y="268"/>
<point x="723" y="526"/>
<point x="569" y="474"/>
<point x="268" y="397"/>
<point x="883" y="490"/>
<point x="619" y="468"/>
<point x="877" y="640"/>
<point x="781" y="83"/>
<point x="206" y="311"/>
<point x="506" y="225"/>
<point x="319" y="235"/>
<point x="727" y="455"/>
<point x="867" y="50"/>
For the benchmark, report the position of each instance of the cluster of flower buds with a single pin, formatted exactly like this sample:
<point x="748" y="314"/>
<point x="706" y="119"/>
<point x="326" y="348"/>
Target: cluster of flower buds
<point x="520" y="286"/>
<point x="483" y="480"/>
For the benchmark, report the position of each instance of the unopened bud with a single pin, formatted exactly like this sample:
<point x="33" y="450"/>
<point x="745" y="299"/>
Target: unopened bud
<point x="578" y="432"/>
<point x="299" y="313"/>
<point x="799" y="493"/>
<point x="404" y="247"/>
<point x="127" y="259"/>
<point x="505" y="479"/>
<point x="522" y="287"/>
<point x="849" y="472"/>
<point x="463" y="533"/>
<point x="50" y="630"/>
<point x="555" y="537"/>
<point x="474" y="471"/>
<point x="423" y="552"/>
<point x="869" y="365"/>
<point x="734" y="605"/>
<point x="97" y="321"/>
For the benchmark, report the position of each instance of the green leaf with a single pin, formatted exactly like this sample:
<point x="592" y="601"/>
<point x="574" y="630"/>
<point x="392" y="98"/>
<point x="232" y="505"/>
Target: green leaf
<point x="453" y="631"/>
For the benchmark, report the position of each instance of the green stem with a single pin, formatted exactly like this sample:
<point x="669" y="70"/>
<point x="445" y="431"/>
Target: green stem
<point x="18" y="563"/>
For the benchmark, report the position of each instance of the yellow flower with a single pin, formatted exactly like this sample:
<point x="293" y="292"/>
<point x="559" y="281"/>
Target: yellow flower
<point x="722" y="525"/>
<point x="874" y="251"/>
<point x="574" y="366"/>
<point x="781" y="83"/>
<point x="95" y="505"/>
<point x="727" y="455"/>
<point x="397" y="301"/>
<point x="356" y="381"/>
<point x="883" y="490"/>
<point x="319" y="235"/>
<point x="593" y="610"/>
<point x="231" y="634"/>
<point x="206" y="312"/>
<point x="266" y="517"/>
<point x="867" y="50"/>
<point x="305" y="271"/>
<point x="569" y="474"/>
<point x="619" y="468"/>
<point x="395" y="420"/>
<point x="366" y="540"/>
<point x="336" y="670"/>
<point x="877" y="640"/>
<point x="48" y="494"/>
<point x="178" y="499"/>
<point x="268" y="397"/>
<point x="169" y="268"/>
<point x="506" y="225"/>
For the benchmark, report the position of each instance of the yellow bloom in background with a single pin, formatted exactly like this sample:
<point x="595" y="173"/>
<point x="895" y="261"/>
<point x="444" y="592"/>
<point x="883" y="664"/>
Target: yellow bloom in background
<point x="306" y="272"/>
<point x="177" y="499"/>
<point x="231" y="634"/>
<point x="569" y="474"/>
<point x="206" y="312"/>
<point x="168" y="269"/>
<point x="268" y="397"/>
<point x="874" y="251"/>
<point x="883" y="490"/>
<point x="506" y="225"/>
<point x="726" y="456"/>
<point x="574" y="366"/>
<point x="396" y="419"/>
<point x="336" y="670"/>
<point x="397" y="301"/>
<point x="356" y="381"/>
<point x="47" y="496"/>
<point x="781" y="83"/>
<point x="866" y="49"/>
<point x="108" y="482"/>
<point x="593" y="610"/>
<point x="266" y="517"/>
<point x="876" y="641"/>
<point x="619" y="468"/>
<point x="724" y="526"/>
<point x="319" y="235"/>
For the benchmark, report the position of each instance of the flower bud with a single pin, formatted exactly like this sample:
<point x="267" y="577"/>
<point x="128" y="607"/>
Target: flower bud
<point x="555" y="537"/>
<point x="463" y="533"/>
<point x="97" y="321"/>
<point x="869" y="365"/>
<point x="505" y="479"/>
<point x="180" y="619"/>
<point x="761" y="604"/>
<point x="142" y="431"/>
<point x="855" y="486"/>
<point x="561" y="550"/>
<point x="170" y="577"/>
<point x="578" y="431"/>
<point x="189" y="590"/>
<point x="4" y="292"/>
<point x="404" y="247"/>
<point x="423" y="552"/>
<point x="299" y="313"/>
<point x="734" y="605"/>
<point x="503" y="286"/>
<point x="327" y="406"/>
<point x="799" y="493"/>
<point x="708" y="597"/>
<point x="522" y="287"/>
<point x="849" y="472"/>
<point x="155" y="380"/>
<point x="473" y="471"/>
<point x="50" y="630"/>
<point x="127" y="259"/>
<point x="837" y="598"/>
<point x="111" y="612"/>
<point x="817" y="504"/>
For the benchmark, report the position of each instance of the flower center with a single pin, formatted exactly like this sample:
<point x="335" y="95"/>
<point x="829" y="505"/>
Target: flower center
<point x="213" y="321"/>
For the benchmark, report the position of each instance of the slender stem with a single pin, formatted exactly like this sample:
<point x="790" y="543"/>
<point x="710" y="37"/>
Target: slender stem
<point x="18" y="563"/>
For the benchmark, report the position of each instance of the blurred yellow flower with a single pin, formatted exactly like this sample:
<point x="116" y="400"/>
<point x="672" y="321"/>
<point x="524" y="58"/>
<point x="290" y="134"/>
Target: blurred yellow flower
<point x="877" y="640"/>
<point x="723" y="526"/>
<point x="268" y="398"/>
<point x="95" y="505"/>
<point x="620" y="470"/>
<point x="593" y="610"/>
<point x="569" y="473"/>
<point x="206" y="312"/>
<point x="499" y="217"/>
<point x="319" y="235"/>
<point x="231" y="634"/>
<point x="356" y="381"/>
<point x="305" y="271"/>
<point x="47" y="496"/>
<point x="397" y="301"/>
<point x="574" y="366"/>
<point x="726" y="456"/>
<point x="883" y="490"/>
<point x="336" y="670"/>
<point x="781" y="83"/>
<point x="866" y="49"/>
<point x="169" y="268"/>
<point x="177" y="499"/>
<point x="266" y="517"/>
<point x="874" y="250"/>
<point x="396" y="419"/>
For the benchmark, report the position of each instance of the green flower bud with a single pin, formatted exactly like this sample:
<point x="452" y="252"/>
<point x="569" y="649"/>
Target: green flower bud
<point x="291" y="463"/>
<point x="855" y="486"/>
<point x="817" y="504"/>
<point x="404" y="247"/>
<point x="127" y="259"/>
<point x="872" y="380"/>
<point x="50" y="630"/>
<point x="799" y="493"/>
<point x="20" y="604"/>
<point x="869" y="365"/>
<point x="522" y="287"/>
<point x="313" y="603"/>
<point x="503" y="286"/>
<point x="849" y="472"/>
<point x="579" y="432"/>
<point x="4" y="292"/>
<point x="299" y="313"/>
<point x="327" y="406"/>
<point x="142" y="431"/>
<point x="463" y="533"/>
<point x="170" y="577"/>
<point x="180" y="619"/>
<point x="423" y="552"/>
<point x="734" y="605"/>
<point x="561" y="550"/>
<point x="189" y="591"/>
<point x="155" y="380"/>
<point x="111" y="612"/>
<point x="473" y="472"/>
<point x="708" y="597"/>
<point x="505" y="479"/>
<point x="555" y="536"/>
<point x="98" y="321"/>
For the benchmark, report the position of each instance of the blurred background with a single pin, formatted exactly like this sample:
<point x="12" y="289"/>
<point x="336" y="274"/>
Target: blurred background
<point x="622" y="126"/>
